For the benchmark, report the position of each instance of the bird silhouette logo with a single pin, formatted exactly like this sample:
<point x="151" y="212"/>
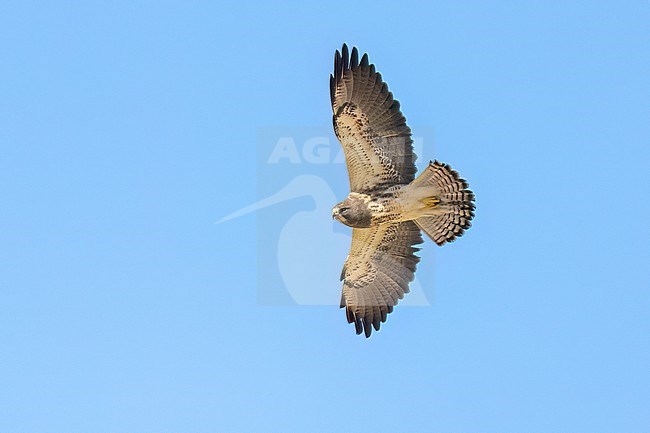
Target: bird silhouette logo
<point x="298" y="241"/>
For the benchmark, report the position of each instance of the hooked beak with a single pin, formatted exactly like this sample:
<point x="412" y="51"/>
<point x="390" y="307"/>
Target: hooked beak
<point x="335" y="213"/>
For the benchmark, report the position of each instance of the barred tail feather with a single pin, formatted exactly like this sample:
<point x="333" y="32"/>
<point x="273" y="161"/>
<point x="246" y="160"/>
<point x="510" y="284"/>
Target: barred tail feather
<point x="456" y="207"/>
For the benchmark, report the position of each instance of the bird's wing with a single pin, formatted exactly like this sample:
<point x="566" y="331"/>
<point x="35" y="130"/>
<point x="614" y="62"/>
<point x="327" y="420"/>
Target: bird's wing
<point x="369" y="124"/>
<point x="377" y="272"/>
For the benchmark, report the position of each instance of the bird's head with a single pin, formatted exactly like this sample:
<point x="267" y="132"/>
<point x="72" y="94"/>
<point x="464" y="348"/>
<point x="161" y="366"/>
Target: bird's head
<point x="353" y="212"/>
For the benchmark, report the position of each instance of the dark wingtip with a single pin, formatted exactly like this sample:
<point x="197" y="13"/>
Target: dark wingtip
<point x="349" y="315"/>
<point x="345" y="60"/>
<point x="358" y="325"/>
<point x="354" y="60"/>
<point x="367" y="326"/>
<point x="337" y="66"/>
<point x="364" y="60"/>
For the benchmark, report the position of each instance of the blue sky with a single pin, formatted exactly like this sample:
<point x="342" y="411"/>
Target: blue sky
<point x="128" y="128"/>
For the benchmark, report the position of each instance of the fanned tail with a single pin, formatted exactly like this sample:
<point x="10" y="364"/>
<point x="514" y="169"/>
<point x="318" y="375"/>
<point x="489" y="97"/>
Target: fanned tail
<point x="453" y="203"/>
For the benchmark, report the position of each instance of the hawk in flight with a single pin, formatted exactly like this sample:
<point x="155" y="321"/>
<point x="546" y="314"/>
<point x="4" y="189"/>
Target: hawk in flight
<point x="387" y="206"/>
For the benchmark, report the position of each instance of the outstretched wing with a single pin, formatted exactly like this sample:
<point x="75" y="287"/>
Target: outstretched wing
<point x="368" y="123"/>
<point x="377" y="272"/>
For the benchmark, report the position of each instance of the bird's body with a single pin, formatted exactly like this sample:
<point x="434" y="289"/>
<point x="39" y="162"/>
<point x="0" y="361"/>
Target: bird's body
<point x="387" y="205"/>
<point x="396" y="203"/>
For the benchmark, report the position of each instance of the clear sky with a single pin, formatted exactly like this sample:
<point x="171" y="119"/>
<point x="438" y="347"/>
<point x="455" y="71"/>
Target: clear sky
<point x="127" y="129"/>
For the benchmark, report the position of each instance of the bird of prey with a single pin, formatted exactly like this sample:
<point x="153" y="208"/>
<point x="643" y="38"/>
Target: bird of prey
<point x="387" y="206"/>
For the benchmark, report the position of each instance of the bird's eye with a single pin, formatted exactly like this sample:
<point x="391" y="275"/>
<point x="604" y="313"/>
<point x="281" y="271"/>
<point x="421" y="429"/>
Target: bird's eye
<point x="343" y="210"/>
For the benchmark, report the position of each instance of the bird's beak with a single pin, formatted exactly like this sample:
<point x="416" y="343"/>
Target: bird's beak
<point x="335" y="212"/>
